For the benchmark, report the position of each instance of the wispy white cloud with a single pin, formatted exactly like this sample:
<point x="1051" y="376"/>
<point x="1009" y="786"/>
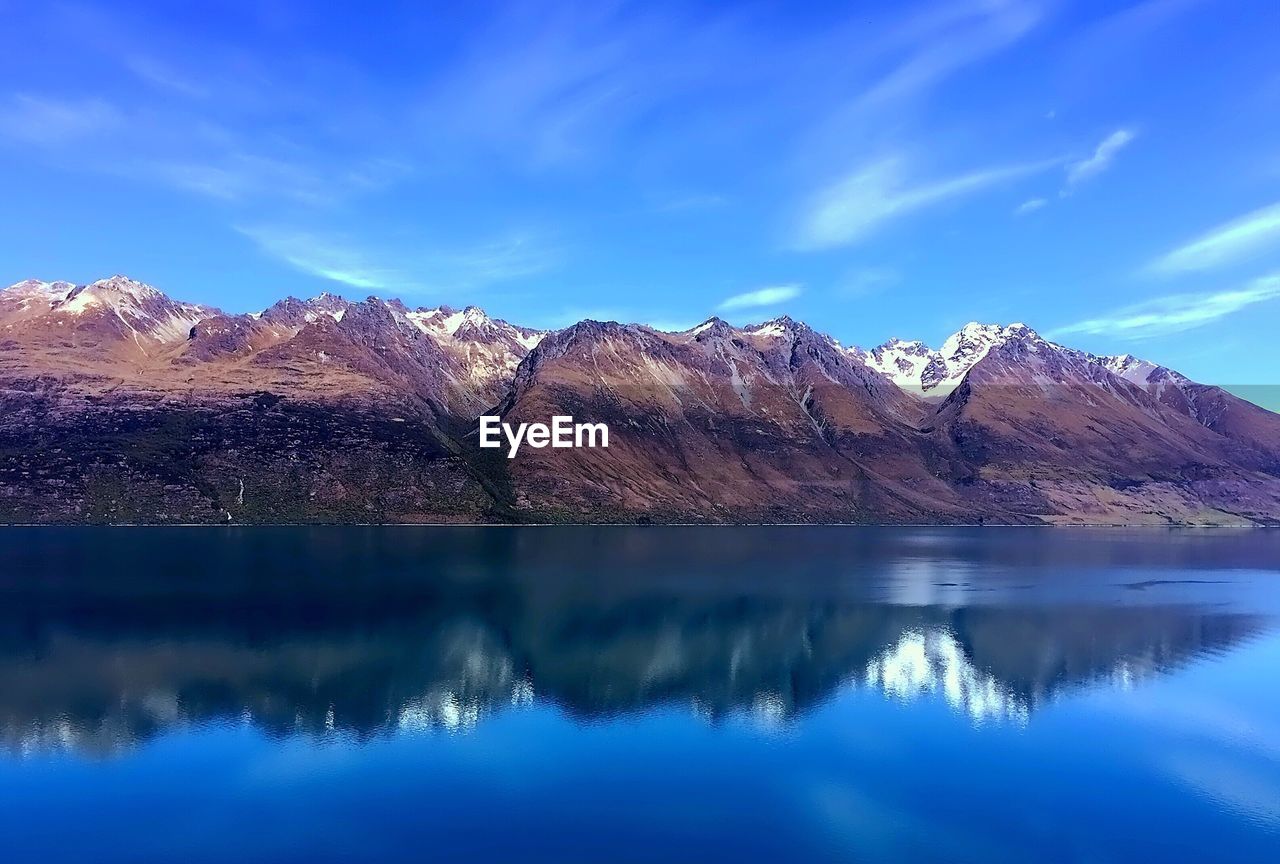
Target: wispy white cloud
<point x="341" y="260"/>
<point x="879" y="192"/>
<point x="548" y="84"/>
<point x="1077" y="172"/>
<point x="947" y="39"/>
<point x="1029" y="206"/>
<point x="1103" y="155"/>
<point x="48" y="122"/>
<point x="771" y="296"/>
<point x="1233" y="241"/>
<point x="328" y="257"/>
<point x="1176" y="313"/>
<point x="880" y="68"/>
<point x="188" y="153"/>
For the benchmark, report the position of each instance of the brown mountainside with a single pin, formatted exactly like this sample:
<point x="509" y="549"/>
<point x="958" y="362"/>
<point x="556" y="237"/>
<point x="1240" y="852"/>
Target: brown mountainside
<point x="120" y="404"/>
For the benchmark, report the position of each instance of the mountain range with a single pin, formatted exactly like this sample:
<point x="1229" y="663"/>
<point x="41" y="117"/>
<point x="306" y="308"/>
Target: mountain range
<point x="120" y="404"/>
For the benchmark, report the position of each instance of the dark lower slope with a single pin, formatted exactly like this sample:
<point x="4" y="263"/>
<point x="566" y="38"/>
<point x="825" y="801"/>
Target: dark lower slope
<point x="256" y="458"/>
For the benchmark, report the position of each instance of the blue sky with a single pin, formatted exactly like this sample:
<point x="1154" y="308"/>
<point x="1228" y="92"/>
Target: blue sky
<point x="1107" y="173"/>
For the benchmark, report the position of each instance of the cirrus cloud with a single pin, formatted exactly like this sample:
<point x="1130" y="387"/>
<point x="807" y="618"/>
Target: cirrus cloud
<point x="879" y="192"/>
<point x="1175" y="313"/>
<point x="340" y="259"/>
<point x="1103" y="155"/>
<point x="770" y="296"/>
<point x="1232" y="241"/>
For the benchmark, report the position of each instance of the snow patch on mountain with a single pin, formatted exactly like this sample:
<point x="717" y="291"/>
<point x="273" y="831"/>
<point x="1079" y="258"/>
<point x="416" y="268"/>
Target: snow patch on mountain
<point x="903" y="362"/>
<point x="35" y="289"/>
<point x="1141" y="372"/>
<point x="934" y="373"/>
<point x="489" y="348"/>
<point x="326" y="304"/>
<point x="146" y="314"/>
<point x="445" y="321"/>
<point x="472" y="324"/>
<point x="922" y="370"/>
<point x="769" y="328"/>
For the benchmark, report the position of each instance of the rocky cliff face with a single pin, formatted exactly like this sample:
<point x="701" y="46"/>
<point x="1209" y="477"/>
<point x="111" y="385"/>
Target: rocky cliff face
<point x="120" y="404"/>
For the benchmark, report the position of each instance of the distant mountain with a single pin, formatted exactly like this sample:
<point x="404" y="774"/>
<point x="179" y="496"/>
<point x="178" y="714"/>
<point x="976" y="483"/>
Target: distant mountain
<point x="111" y="319"/>
<point x="120" y="404"/>
<point x="915" y="366"/>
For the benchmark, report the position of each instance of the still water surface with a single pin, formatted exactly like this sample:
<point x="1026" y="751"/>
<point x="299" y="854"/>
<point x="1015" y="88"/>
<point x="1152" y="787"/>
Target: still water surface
<point x="639" y="694"/>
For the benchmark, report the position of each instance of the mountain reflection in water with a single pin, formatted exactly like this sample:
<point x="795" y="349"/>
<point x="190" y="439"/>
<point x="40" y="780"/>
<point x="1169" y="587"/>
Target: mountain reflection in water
<point x="110" y="637"/>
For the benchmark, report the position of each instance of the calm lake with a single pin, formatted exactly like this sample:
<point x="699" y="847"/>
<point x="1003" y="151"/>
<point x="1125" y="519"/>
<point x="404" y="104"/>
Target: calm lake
<point x="639" y="694"/>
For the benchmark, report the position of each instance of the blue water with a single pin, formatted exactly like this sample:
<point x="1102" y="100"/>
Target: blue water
<point x="639" y="694"/>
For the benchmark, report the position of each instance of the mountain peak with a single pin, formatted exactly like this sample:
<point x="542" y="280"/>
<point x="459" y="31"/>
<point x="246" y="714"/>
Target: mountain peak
<point x="783" y="325"/>
<point x="124" y="285"/>
<point x="447" y="321"/>
<point x="978" y="330"/>
<point x="714" y="324"/>
<point x="908" y="346"/>
<point x="916" y="367"/>
<point x="971" y="342"/>
<point x="40" y="288"/>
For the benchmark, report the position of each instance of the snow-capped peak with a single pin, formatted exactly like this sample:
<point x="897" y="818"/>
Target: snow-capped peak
<point x="446" y="321"/>
<point x="1139" y="371"/>
<point x="37" y="287"/>
<point x="916" y="367"/>
<point x="294" y="313"/>
<point x="34" y="294"/>
<point x="327" y="304"/>
<point x="114" y="293"/>
<point x="715" y="326"/>
<point x="442" y="321"/>
<point x="1129" y="367"/>
<point x="971" y="343"/>
<point x="125" y="286"/>
<point x="144" y="313"/>
<point x="447" y="324"/>
<point x="475" y="317"/>
<point x="783" y="325"/>
<point x="903" y="362"/>
<point x="922" y="370"/>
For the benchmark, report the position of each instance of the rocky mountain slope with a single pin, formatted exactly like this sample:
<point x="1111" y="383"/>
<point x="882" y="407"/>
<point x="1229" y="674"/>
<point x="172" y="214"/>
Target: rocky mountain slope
<point x="119" y="404"/>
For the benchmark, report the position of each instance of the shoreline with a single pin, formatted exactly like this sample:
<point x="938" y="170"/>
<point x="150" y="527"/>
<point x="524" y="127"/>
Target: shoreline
<point x="1091" y="525"/>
